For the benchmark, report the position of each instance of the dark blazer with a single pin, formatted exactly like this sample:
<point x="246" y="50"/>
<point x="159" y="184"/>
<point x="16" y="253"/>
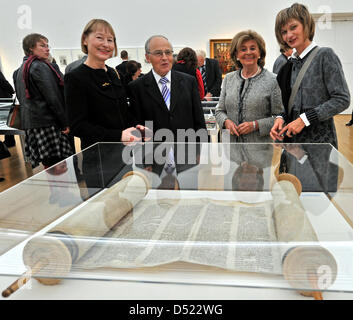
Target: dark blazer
<point x="213" y="77"/>
<point x="6" y="90"/>
<point x="46" y="107"/>
<point x="121" y="68"/>
<point x="96" y="105"/>
<point x="185" y="112"/>
<point x="279" y="63"/>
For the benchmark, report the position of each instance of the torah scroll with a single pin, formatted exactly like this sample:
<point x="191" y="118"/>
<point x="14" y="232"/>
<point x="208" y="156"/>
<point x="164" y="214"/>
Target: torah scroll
<point x="60" y="248"/>
<point x="272" y="237"/>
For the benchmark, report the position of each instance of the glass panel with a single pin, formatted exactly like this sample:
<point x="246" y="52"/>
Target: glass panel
<point x="4" y="112"/>
<point x="254" y="215"/>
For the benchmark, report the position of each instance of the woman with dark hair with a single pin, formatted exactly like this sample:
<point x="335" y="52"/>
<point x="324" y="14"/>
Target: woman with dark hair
<point x="250" y="97"/>
<point x="133" y="71"/>
<point x="40" y="91"/>
<point x="187" y="63"/>
<point x="323" y="90"/>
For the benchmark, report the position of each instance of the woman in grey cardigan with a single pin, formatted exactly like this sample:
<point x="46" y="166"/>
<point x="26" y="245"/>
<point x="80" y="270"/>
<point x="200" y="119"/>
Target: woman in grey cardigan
<point x="250" y="97"/>
<point x="323" y="92"/>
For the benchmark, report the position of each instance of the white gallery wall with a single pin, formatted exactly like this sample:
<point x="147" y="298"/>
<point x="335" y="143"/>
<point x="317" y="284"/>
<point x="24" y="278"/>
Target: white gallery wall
<point x="185" y="22"/>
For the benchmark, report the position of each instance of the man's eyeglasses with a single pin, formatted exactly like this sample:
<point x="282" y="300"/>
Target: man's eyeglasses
<point x="159" y="53"/>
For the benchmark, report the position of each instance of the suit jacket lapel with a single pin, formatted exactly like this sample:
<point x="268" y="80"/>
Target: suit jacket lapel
<point x="208" y="70"/>
<point x="176" y="90"/>
<point x="153" y="90"/>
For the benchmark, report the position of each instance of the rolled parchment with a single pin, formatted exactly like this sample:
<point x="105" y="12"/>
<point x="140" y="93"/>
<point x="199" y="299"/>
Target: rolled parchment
<point x="70" y="240"/>
<point x="302" y="256"/>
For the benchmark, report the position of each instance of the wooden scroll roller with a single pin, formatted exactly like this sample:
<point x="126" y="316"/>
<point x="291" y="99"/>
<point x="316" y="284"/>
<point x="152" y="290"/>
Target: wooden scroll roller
<point x="50" y="257"/>
<point x="303" y="265"/>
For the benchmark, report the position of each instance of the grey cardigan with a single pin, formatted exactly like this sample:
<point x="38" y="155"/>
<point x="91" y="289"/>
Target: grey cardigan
<point x="322" y="94"/>
<point x="262" y="102"/>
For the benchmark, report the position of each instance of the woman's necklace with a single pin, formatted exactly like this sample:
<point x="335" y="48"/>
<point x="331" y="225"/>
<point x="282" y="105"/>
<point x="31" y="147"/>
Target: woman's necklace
<point x="251" y="76"/>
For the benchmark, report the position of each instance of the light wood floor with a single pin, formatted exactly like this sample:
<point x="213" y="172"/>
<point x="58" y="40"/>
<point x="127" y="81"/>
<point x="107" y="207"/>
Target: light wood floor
<point x="14" y="169"/>
<point x="345" y="136"/>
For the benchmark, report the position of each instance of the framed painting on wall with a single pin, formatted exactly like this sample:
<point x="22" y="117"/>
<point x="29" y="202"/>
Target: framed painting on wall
<point x="62" y="57"/>
<point x="76" y="54"/>
<point x="220" y="50"/>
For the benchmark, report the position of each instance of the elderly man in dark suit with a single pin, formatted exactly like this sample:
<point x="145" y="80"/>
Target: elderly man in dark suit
<point x="211" y="74"/>
<point x="168" y="98"/>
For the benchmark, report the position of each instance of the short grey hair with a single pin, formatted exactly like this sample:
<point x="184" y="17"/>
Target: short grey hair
<point x="147" y="44"/>
<point x="201" y="53"/>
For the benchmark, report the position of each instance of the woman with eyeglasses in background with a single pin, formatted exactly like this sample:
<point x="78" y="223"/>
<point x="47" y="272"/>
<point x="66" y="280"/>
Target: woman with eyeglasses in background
<point x="40" y="91"/>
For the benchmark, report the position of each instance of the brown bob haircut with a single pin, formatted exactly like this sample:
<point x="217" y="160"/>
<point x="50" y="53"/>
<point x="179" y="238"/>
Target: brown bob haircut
<point x="243" y="36"/>
<point x="30" y="41"/>
<point x="93" y="26"/>
<point x="298" y="12"/>
<point x="189" y="56"/>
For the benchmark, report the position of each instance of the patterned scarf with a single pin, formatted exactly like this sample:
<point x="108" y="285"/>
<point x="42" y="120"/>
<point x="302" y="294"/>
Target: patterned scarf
<point x="26" y="68"/>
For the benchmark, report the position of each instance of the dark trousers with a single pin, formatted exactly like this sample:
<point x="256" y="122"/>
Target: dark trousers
<point x="10" y="140"/>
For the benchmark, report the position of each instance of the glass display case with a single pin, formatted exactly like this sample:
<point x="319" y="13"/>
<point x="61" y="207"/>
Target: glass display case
<point x="209" y="109"/>
<point x="219" y="214"/>
<point x="5" y="106"/>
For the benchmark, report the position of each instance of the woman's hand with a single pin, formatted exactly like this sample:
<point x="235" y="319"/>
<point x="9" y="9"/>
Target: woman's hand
<point x="128" y="138"/>
<point x="276" y="129"/>
<point x="293" y="128"/>
<point x="66" y="130"/>
<point x="230" y="125"/>
<point x="246" y="128"/>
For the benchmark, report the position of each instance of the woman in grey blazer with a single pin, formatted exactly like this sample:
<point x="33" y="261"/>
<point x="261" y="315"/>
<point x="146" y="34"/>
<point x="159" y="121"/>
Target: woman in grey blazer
<point x="250" y="97"/>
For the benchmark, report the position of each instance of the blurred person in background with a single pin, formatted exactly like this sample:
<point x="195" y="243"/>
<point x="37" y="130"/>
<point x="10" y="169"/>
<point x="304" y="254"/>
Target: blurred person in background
<point x="187" y="63"/>
<point x="6" y="91"/>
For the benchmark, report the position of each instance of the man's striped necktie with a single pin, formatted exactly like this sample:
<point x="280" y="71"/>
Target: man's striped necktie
<point x="203" y="73"/>
<point x="165" y="91"/>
